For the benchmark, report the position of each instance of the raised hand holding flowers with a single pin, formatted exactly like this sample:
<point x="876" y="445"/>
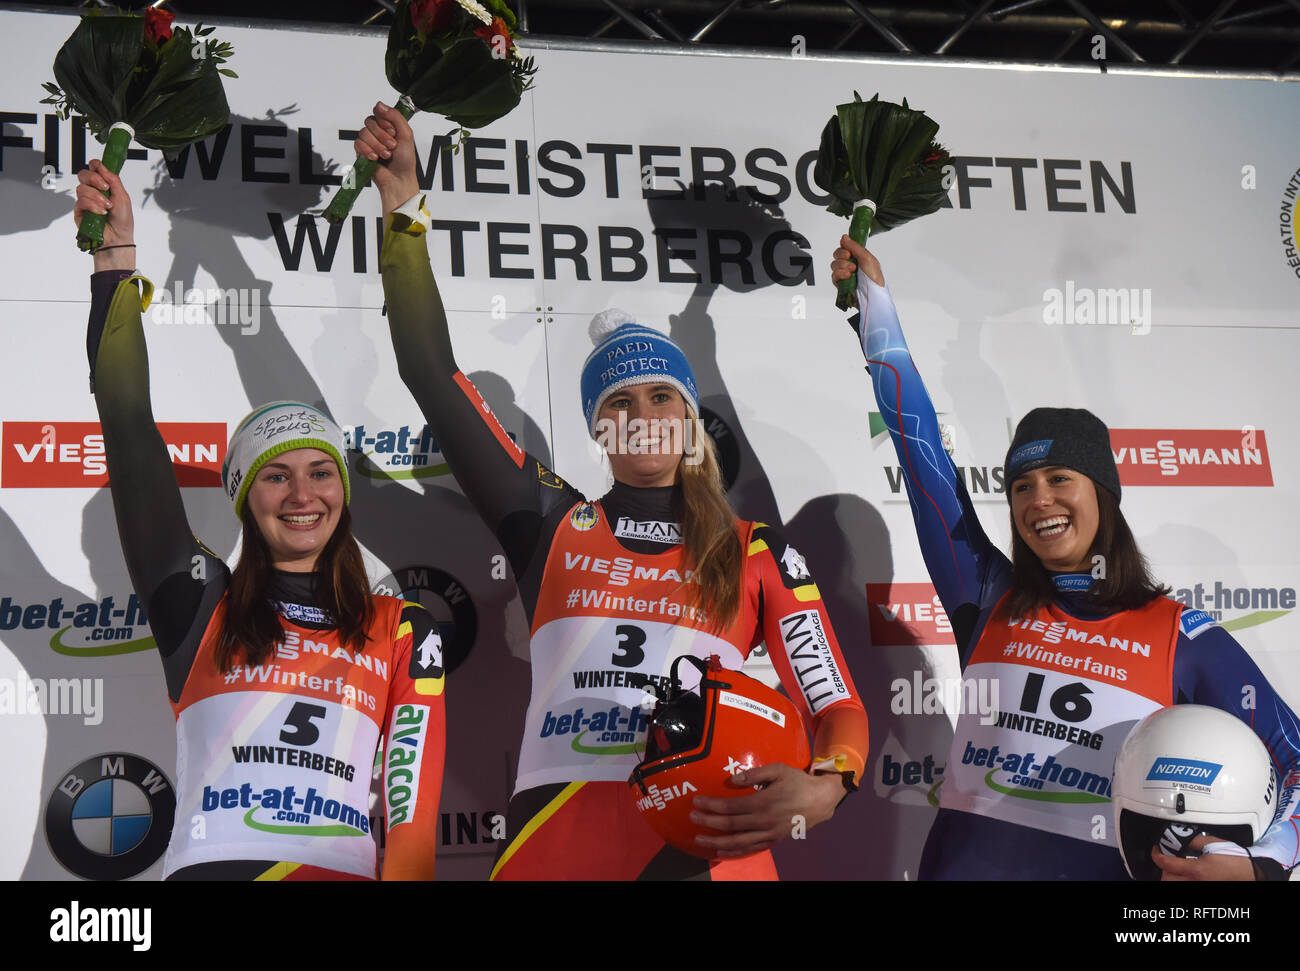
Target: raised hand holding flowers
<point x="139" y="78"/>
<point x="456" y="58"/>
<point x="880" y="163"/>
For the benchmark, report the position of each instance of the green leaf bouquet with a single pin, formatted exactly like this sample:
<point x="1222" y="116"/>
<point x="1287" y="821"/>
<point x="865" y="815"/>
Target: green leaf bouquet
<point x="880" y="163"/>
<point x="137" y="77"/>
<point x="455" y="58"/>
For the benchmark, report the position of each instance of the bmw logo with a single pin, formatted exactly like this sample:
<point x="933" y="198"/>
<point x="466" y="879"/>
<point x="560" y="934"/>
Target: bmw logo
<point x="442" y="595"/>
<point x="110" y="817"/>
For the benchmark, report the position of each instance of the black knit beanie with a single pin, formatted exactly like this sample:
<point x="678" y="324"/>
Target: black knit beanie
<point x="1071" y="437"/>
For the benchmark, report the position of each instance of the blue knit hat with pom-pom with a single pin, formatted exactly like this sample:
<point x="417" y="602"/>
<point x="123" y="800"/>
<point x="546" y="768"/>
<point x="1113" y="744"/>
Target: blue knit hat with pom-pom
<point x="628" y="353"/>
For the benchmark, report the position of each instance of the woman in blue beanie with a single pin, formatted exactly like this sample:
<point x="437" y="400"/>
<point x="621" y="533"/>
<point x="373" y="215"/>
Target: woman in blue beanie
<point x="616" y="588"/>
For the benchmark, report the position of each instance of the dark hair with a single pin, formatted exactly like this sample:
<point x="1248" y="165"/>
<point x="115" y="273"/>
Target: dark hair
<point x="1125" y="582"/>
<point x="251" y="627"/>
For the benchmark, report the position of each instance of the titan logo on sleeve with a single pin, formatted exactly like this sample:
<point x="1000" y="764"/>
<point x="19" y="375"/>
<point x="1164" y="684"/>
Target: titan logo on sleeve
<point x="811" y="659"/>
<point x="70" y="454"/>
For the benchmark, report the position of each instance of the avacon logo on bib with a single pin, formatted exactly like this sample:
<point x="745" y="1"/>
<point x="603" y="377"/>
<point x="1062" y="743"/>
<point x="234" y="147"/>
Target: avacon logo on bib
<point x="110" y="817"/>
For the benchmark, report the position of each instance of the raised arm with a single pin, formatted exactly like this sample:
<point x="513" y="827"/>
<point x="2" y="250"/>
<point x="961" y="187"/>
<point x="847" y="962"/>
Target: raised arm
<point x="168" y="566"/>
<point x="958" y="554"/>
<point x="510" y="489"/>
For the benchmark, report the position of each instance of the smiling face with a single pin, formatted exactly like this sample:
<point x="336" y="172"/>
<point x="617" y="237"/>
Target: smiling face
<point x="641" y="427"/>
<point x="296" y="501"/>
<point x="1055" y="512"/>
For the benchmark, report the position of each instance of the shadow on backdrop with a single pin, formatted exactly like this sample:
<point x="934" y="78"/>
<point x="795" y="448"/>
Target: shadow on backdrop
<point x="843" y="537"/>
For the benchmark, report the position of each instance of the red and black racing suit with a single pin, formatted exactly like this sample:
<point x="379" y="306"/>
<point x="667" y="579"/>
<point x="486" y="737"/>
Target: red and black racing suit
<point x="274" y="761"/>
<point x="602" y="585"/>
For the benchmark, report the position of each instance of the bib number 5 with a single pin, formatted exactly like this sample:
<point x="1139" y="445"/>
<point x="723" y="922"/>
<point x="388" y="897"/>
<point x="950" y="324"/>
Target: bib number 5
<point x="299" y="728"/>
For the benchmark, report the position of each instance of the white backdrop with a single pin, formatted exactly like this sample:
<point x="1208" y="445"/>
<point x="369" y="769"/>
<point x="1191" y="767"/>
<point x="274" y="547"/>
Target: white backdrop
<point x="1180" y="188"/>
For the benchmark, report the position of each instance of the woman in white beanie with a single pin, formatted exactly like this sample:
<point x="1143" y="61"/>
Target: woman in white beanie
<point x="616" y="589"/>
<point x="283" y="673"/>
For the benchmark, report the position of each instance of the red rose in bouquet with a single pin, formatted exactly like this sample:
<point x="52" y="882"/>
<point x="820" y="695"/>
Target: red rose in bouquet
<point x="158" y="25"/>
<point x="444" y="58"/>
<point x="139" y="80"/>
<point x="432" y="16"/>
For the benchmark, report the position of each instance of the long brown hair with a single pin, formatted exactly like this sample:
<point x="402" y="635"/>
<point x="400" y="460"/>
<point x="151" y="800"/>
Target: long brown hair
<point x="709" y="530"/>
<point x="251" y="627"/>
<point x="1123" y="577"/>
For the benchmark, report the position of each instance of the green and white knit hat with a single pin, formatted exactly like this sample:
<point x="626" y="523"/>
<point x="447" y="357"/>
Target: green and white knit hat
<point x="280" y="426"/>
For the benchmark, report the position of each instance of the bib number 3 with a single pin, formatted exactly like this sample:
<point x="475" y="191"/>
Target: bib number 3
<point x="629" y="652"/>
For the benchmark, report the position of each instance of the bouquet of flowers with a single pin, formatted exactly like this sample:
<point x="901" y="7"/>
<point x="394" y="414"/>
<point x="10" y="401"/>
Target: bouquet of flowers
<point x="455" y="58"/>
<point x="881" y="164"/>
<point x="138" y="77"/>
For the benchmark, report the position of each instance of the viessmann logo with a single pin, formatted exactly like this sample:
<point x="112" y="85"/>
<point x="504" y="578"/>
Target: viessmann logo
<point x="70" y="454"/>
<point x="907" y="613"/>
<point x="1191" y="456"/>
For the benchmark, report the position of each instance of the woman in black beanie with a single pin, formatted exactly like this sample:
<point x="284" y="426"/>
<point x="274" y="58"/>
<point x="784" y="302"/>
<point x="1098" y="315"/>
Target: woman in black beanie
<point x="1078" y="639"/>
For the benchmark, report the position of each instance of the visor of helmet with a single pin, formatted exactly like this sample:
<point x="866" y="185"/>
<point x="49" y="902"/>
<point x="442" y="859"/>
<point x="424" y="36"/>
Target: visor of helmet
<point x="1138" y="833"/>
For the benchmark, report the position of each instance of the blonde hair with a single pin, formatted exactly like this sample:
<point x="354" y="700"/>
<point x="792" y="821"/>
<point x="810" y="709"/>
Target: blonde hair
<point x="709" y="530"/>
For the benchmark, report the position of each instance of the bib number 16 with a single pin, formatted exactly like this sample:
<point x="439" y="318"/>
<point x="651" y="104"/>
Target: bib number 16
<point x="1068" y="702"/>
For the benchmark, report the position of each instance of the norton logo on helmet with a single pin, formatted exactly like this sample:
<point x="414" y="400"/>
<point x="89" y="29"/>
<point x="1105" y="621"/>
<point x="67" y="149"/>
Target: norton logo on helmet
<point x="697" y="740"/>
<point x="1189" y="771"/>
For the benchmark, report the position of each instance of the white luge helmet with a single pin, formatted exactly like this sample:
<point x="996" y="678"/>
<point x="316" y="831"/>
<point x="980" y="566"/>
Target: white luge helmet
<point x="1187" y="771"/>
